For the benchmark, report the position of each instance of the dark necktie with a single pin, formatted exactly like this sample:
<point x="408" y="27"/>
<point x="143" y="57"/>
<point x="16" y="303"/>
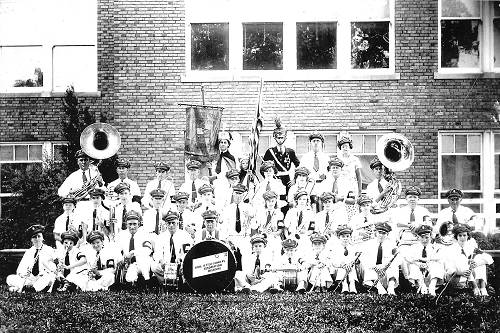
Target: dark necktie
<point x="124" y="221"/>
<point x="36" y="270"/>
<point x="269" y="216"/>
<point x="327" y="220"/>
<point x="67" y="223"/>
<point x="334" y="187"/>
<point x="454" y="218"/>
<point x="131" y="245"/>
<point x="238" y="219"/>
<point x="159" y="184"/>
<point x="157" y="224"/>
<point x="257" y="267"/>
<point x="379" y="254"/>
<point x="66" y="262"/>
<point x="366" y="220"/>
<point x="316" y="162"/>
<point x="84" y="177"/>
<point x="299" y="221"/>
<point x="193" y="192"/>
<point x="345" y="251"/>
<point x="463" y="252"/>
<point x="99" y="263"/>
<point x="424" y="252"/>
<point x="181" y="221"/>
<point x="380" y="188"/>
<point x="94" y="216"/>
<point x="289" y="260"/>
<point x="172" y="249"/>
<point x="268" y="186"/>
<point x="412" y="216"/>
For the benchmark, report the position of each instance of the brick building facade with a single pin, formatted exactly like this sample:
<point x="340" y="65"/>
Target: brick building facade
<point x="143" y="73"/>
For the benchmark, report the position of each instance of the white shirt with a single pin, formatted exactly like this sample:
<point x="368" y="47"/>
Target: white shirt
<point x="141" y="241"/>
<point x="149" y="220"/>
<point x="75" y="254"/>
<point x="292" y="219"/>
<point x="307" y="161"/>
<point x="188" y="188"/>
<point x="46" y="256"/>
<point x="274" y="184"/>
<point x="75" y="181"/>
<point x="119" y="214"/>
<point x="166" y="185"/>
<point x="182" y="241"/>
<point x="337" y="217"/>
<point x="343" y="186"/>
<point x="134" y="187"/>
<point x="372" y="188"/>
<point x="86" y="215"/>
<point x="228" y="227"/>
<point x="464" y="214"/>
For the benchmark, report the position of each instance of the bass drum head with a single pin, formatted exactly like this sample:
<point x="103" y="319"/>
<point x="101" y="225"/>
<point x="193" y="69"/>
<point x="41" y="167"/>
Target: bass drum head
<point x="209" y="266"/>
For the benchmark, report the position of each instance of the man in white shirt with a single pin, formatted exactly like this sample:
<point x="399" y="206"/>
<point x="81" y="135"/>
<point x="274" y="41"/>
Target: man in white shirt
<point x="455" y="213"/>
<point x="379" y="186"/>
<point x="122" y="168"/>
<point x="194" y="183"/>
<point x="65" y="221"/>
<point x="125" y="205"/>
<point x="161" y="181"/>
<point x="316" y="161"/>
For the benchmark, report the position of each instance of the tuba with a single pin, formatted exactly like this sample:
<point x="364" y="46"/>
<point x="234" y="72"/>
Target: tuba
<point x="396" y="153"/>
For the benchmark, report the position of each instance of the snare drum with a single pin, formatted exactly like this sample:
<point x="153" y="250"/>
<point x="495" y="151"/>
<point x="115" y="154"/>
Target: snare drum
<point x="289" y="279"/>
<point x="170" y="276"/>
<point x="209" y="266"/>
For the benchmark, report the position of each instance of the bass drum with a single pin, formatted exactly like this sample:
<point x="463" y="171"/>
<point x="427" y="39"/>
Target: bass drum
<point x="209" y="266"/>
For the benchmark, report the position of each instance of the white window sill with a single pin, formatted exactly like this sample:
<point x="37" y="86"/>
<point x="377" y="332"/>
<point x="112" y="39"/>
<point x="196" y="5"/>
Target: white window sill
<point x="48" y="94"/>
<point x="451" y="76"/>
<point x="306" y="75"/>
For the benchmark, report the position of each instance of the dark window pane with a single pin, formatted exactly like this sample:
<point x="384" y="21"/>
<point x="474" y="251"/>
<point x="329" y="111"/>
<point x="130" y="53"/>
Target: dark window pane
<point x="496" y="38"/>
<point x="59" y="150"/>
<point x="210" y="46"/>
<point x="459" y="43"/>
<point x="370" y="45"/>
<point x="7" y="172"/>
<point x="262" y="46"/>
<point x="35" y="152"/>
<point x="460" y="143"/>
<point x="316" y="45"/>
<point x="496" y="6"/>
<point x="6" y="153"/>
<point x="461" y="171"/>
<point x="21" y="153"/>
<point x="497" y="171"/>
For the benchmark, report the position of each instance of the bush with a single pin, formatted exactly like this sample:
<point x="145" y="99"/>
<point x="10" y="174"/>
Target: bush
<point x="488" y="242"/>
<point x="35" y="201"/>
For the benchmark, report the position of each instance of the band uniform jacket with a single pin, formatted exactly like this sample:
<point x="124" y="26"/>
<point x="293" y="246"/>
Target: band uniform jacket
<point x="143" y="243"/>
<point x="259" y="222"/>
<point x="282" y="158"/>
<point x="135" y="190"/>
<point x="182" y="242"/>
<point x="166" y="185"/>
<point x="109" y="257"/>
<point x="46" y="257"/>
<point x="75" y="181"/>
<point x="75" y="255"/>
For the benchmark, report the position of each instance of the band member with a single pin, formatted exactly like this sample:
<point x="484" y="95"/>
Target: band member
<point x="102" y="262"/>
<point x="363" y="223"/>
<point x="136" y="248"/>
<point x="210" y="221"/>
<point x="253" y="276"/>
<point x="379" y="187"/>
<point x="161" y="181"/>
<point x="170" y="247"/>
<point x="331" y="216"/>
<point x="153" y="217"/>
<point x="95" y="217"/>
<point x="36" y="268"/>
<point x="316" y="161"/>
<point x="194" y="183"/>
<point x="465" y="262"/>
<point x="378" y="259"/>
<point x="283" y="157"/>
<point x="335" y="181"/>
<point x="65" y="221"/>
<point x="301" y="183"/>
<point x="188" y="220"/>
<point x="223" y="188"/>
<point x="351" y="169"/>
<point x="86" y="175"/>
<point x="319" y="263"/>
<point x="344" y="259"/>
<point x="455" y="212"/>
<point x="244" y="175"/>
<point x="299" y="221"/>
<point x="269" y="221"/>
<point x="72" y="264"/>
<point x="269" y="183"/>
<point x="226" y="161"/>
<point x="125" y="205"/>
<point x="426" y="268"/>
<point x="122" y="168"/>
<point x="291" y="261"/>
<point x="207" y="200"/>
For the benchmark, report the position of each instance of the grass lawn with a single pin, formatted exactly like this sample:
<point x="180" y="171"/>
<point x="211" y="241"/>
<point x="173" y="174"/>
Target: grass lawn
<point x="178" y="312"/>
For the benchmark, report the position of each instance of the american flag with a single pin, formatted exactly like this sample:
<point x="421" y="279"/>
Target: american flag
<point x="255" y="135"/>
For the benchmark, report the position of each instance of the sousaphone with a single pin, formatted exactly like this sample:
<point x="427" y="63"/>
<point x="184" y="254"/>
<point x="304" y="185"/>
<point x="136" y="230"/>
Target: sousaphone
<point x="100" y="141"/>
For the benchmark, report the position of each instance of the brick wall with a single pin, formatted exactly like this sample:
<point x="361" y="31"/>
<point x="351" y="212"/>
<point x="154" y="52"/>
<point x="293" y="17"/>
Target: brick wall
<point x="141" y="59"/>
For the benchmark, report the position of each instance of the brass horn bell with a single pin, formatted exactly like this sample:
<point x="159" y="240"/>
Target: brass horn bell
<point x="395" y="151"/>
<point x="100" y="141"/>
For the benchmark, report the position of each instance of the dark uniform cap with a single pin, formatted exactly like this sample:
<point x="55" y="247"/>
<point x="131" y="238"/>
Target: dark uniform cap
<point x="258" y="238"/>
<point x="157" y="193"/>
<point x="327" y="196"/>
<point x="180" y="196"/>
<point x="289" y="243"/>
<point x="459" y="228"/>
<point x="344" y="139"/>
<point x="267" y="165"/>
<point x="239" y="188"/>
<point x="193" y="164"/>
<point x="80" y="153"/>
<point x="364" y="199"/>
<point x="97" y="192"/>
<point x="299" y="194"/>
<point x="122" y="163"/>
<point x="454" y="193"/>
<point x="335" y="161"/>
<point x="209" y="215"/>
<point x="318" y="238"/>
<point x="205" y="188"/>
<point x="302" y="171"/>
<point x="413" y="190"/>
<point x="94" y="234"/>
<point x="383" y="226"/>
<point x="171" y="216"/>
<point x="375" y="162"/>
<point x="69" y="199"/>
<point x="423" y="229"/>
<point x="269" y="195"/>
<point x="232" y="173"/>
<point x="343" y="229"/>
<point x="133" y="215"/>
<point x="35" y="229"/>
<point x="316" y="135"/>
<point x="122" y="187"/>
<point x="70" y="234"/>
<point x="162" y="166"/>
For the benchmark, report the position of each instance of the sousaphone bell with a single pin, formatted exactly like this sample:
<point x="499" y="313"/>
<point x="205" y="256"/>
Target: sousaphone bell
<point x="100" y="141"/>
<point x="395" y="151"/>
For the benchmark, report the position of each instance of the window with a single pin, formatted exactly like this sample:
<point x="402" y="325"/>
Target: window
<point x="48" y="45"/>
<point x="469" y="34"/>
<point x="461" y="164"/>
<point x="264" y="143"/>
<point x="289" y="40"/>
